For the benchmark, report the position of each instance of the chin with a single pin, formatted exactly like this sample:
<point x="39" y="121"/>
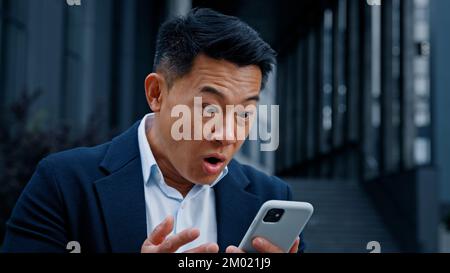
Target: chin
<point x="205" y="180"/>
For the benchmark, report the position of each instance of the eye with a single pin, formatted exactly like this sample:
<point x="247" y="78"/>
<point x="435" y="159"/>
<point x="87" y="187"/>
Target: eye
<point x="244" y="114"/>
<point x="210" y="109"/>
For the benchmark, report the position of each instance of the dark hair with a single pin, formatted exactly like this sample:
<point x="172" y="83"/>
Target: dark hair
<point x="214" y="34"/>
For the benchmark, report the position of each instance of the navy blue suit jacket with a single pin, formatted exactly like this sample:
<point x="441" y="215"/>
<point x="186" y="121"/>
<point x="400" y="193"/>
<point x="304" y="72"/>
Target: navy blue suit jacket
<point x="96" y="196"/>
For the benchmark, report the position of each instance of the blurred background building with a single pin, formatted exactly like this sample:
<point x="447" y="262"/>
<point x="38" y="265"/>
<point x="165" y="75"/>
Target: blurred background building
<point x="363" y="88"/>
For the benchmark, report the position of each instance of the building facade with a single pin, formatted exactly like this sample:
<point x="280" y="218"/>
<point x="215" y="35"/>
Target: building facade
<point x="362" y="87"/>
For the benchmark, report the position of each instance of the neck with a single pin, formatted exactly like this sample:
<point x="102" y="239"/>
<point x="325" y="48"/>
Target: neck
<point x="181" y="187"/>
<point x="171" y="177"/>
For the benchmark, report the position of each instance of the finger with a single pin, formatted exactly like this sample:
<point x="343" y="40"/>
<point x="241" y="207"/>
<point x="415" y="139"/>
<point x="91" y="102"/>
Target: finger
<point x="294" y="248"/>
<point x="149" y="248"/>
<point x="161" y="231"/>
<point x="174" y="242"/>
<point x="264" y="246"/>
<point x="205" y="248"/>
<point x="233" y="249"/>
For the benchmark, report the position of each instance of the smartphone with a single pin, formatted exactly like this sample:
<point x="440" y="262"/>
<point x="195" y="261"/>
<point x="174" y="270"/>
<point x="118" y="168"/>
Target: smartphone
<point x="280" y="222"/>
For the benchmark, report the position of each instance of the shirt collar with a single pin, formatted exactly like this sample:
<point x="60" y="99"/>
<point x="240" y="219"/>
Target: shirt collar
<point x="147" y="158"/>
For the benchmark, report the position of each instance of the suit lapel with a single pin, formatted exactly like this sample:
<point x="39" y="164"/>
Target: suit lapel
<point x="121" y="193"/>
<point x="235" y="207"/>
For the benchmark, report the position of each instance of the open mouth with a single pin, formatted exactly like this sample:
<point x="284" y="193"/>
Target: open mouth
<point x="212" y="160"/>
<point x="212" y="164"/>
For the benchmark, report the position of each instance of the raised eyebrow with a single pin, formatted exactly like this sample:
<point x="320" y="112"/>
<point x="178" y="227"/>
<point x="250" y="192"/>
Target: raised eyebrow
<point x="212" y="90"/>
<point x="256" y="98"/>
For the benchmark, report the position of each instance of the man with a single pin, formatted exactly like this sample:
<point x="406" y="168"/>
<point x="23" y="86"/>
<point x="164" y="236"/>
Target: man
<point x="147" y="190"/>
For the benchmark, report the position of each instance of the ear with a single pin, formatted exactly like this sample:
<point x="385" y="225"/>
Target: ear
<point x="154" y="85"/>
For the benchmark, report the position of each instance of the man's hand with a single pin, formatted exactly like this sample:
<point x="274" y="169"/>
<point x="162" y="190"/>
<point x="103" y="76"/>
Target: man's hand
<point x="158" y="243"/>
<point x="264" y="246"/>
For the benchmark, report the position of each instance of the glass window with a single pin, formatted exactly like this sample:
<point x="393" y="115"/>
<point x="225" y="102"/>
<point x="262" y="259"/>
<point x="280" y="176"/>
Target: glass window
<point x="372" y="91"/>
<point x="396" y="78"/>
<point x="422" y="112"/>
<point x="327" y="80"/>
<point x="2" y="16"/>
<point x="15" y="45"/>
<point x="340" y="97"/>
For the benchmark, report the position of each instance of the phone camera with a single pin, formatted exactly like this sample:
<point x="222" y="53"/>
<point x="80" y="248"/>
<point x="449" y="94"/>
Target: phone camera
<point x="273" y="215"/>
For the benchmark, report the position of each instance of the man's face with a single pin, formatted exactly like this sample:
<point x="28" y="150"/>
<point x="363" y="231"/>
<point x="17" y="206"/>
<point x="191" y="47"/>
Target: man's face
<point x="218" y="83"/>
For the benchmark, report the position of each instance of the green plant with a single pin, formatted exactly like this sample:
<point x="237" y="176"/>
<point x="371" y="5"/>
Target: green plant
<point x="23" y="143"/>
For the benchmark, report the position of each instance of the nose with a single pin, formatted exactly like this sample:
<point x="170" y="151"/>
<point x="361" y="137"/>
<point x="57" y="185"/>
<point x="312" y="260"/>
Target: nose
<point x="225" y="135"/>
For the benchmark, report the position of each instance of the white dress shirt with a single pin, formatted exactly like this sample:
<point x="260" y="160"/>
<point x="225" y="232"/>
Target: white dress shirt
<point x="196" y="210"/>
